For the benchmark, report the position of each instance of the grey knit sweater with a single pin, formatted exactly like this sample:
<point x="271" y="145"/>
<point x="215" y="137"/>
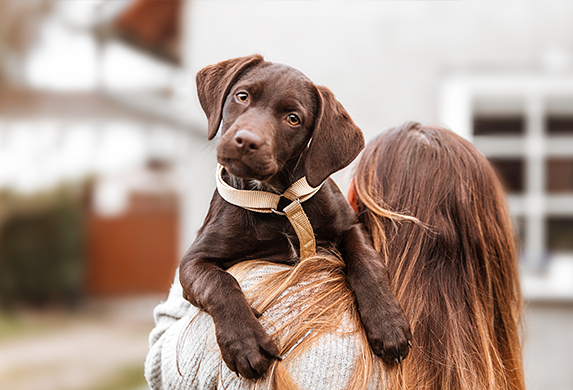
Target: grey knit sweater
<point x="184" y="354"/>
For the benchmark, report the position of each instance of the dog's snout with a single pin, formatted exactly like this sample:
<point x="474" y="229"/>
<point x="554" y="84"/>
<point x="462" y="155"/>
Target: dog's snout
<point x="247" y="141"/>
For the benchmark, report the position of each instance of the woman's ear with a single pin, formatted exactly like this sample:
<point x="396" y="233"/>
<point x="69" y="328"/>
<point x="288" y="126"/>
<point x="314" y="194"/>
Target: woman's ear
<point x="352" y="196"/>
<point x="214" y="83"/>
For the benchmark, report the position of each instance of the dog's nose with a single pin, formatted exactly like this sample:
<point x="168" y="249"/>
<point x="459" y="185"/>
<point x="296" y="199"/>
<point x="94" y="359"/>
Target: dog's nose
<point x="247" y="141"/>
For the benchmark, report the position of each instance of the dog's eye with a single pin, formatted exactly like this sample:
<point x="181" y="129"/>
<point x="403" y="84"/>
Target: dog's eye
<point x="243" y="97"/>
<point x="293" y="120"/>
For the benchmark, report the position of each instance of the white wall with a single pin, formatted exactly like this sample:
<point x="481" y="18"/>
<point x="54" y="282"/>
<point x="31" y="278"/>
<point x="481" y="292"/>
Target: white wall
<point x="384" y="60"/>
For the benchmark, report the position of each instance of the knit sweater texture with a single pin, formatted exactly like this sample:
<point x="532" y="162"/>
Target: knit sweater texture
<point x="184" y="354"/>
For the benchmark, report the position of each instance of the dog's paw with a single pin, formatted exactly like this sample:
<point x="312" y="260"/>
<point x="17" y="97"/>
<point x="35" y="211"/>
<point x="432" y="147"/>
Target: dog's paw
<point x="389" y="335"/>
<point x="247" y="349"/>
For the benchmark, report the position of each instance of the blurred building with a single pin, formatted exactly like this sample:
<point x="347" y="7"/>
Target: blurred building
<point x="88" y="128"/>
<point x="101" y="99"/>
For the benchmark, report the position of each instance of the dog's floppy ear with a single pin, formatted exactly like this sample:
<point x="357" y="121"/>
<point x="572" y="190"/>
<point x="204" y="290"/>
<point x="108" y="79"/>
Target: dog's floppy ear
<point x="336" y="140"/>
<point x="214" y="83"/>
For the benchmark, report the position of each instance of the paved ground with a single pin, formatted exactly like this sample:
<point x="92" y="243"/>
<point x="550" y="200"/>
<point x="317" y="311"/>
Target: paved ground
<point x="549" y="345"/>
<point x="101" y="347"/>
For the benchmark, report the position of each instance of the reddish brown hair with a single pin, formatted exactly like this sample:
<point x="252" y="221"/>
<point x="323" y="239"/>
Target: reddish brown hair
<point x="454" y="272"/>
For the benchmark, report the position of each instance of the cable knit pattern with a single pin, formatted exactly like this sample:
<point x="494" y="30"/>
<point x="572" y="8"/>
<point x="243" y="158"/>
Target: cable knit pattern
<point x="184" y="354"/>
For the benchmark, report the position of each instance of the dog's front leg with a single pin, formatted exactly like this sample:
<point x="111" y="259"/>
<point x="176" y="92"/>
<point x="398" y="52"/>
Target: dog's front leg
<point x="384" y="321"/>
<point x="245" y="346"/>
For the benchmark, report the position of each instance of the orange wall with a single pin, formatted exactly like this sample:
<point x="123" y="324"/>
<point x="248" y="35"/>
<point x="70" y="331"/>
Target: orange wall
<point x="134" y="253"/>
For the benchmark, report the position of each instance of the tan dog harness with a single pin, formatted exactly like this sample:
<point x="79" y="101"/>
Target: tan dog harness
<point x="267" y="202"/>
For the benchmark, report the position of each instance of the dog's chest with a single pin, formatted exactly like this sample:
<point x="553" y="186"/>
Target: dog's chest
<point x="269" y="235"/>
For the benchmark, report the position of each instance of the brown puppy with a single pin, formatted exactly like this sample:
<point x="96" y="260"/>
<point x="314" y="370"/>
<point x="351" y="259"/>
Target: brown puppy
<point x="268" y="114"/>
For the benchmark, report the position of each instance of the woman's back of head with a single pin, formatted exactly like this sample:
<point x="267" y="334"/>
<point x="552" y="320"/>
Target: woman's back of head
<point x="455" y="271"/>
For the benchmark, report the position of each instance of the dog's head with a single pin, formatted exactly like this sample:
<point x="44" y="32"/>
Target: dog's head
<point x="268" y="113"/>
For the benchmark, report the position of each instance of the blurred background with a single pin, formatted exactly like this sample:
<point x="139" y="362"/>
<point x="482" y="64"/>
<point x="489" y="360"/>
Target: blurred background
<point x="106" y="172"/>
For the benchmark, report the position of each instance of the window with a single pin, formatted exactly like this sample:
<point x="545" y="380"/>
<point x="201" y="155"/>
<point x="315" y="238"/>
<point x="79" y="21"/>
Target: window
<point x="559" y="125"/>
<point x="511" y="173"/>
<point x="559" y="115"/>
<point x="511" y="125"/>
<point x="560" y="234"/>
<point x="559" y="175"/>
<point x="524" y="125"/>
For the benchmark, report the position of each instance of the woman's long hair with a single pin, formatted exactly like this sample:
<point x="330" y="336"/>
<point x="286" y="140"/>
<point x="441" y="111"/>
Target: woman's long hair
<point x="454" y="273"/>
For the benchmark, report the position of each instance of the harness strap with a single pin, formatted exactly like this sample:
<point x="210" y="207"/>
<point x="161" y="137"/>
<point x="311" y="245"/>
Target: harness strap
<point x="302" y="227"/>
<point x="267" y="202"/>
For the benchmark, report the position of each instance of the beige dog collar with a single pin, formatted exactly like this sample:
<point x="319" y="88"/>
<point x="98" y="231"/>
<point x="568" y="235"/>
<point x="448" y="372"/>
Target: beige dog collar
<point x="267" y="202"/>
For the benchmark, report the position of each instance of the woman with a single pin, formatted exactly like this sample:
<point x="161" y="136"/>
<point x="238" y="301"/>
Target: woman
<point x="453" y="268"/>
<point x="456" y="277"/>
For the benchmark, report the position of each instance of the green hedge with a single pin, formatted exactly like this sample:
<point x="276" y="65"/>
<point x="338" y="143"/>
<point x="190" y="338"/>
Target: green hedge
<point x="41" y="254"/>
